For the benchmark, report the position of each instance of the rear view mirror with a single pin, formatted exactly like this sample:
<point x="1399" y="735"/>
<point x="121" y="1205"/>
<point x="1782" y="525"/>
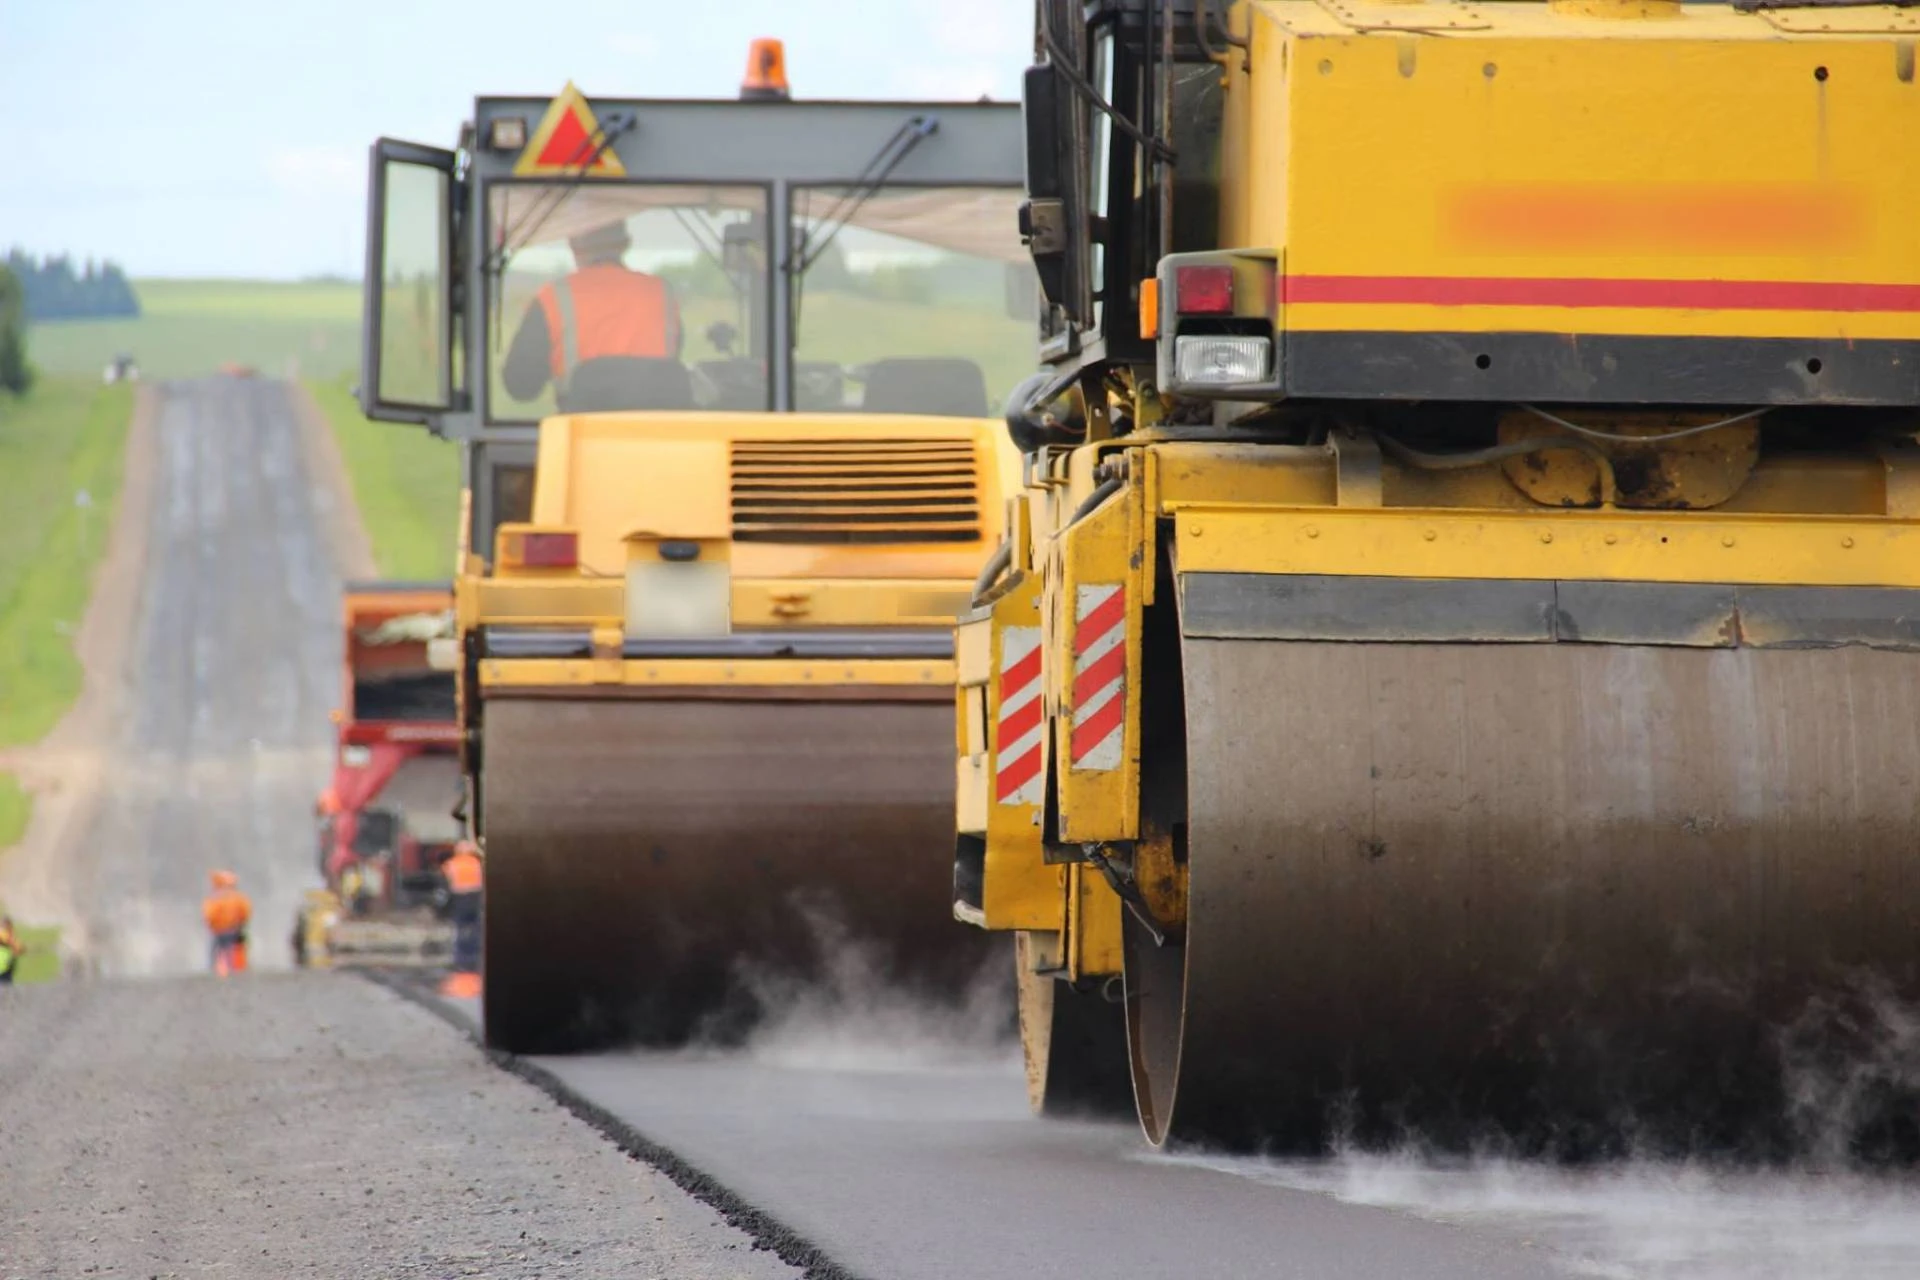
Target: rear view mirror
<point x="1058" y="162"/>
<point x="408" y="324"/>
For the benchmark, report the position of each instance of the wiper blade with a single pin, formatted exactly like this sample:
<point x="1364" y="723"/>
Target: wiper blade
<point x="865" y="186"/>
<point x="916" y="130"/>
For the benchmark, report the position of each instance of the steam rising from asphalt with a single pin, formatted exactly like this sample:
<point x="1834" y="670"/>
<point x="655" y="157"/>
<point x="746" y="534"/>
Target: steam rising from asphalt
<point x="856" y="1016"/>
<point x="1840" y="1200"/>
<point x="1638" y="1220"/>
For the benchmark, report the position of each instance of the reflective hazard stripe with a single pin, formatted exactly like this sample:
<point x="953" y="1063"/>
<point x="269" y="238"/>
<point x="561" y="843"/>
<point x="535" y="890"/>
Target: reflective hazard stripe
<point x="1099" y="676"/>
<point x="1022" y="728"/>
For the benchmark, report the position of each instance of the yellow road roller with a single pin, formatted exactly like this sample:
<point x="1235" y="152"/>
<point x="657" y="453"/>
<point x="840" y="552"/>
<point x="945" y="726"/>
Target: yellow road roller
<point x="1452" y="668"/>
<point x="720" y="371"/>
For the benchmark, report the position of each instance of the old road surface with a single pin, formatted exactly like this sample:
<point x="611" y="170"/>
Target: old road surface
<point x="184" y="1126"/>
<point x="220" y="741"/>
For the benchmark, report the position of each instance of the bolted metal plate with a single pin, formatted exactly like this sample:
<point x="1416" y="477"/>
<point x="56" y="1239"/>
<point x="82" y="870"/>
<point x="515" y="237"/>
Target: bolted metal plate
<point x="1876" y="19"/>
<point x="1435" y="15"/>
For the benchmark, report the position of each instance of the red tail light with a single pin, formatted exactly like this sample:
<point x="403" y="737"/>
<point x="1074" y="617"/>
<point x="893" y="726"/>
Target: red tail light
<point x="539" y="549"/>
<point x="550" y="550"/>
<point x="1203" y="291"/>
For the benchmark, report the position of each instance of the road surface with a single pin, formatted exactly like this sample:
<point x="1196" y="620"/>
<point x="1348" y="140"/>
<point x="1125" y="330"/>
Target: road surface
<point x="221" y="735"/>
<point x="308" y="1125"/>
<point x="900" y="1146"/>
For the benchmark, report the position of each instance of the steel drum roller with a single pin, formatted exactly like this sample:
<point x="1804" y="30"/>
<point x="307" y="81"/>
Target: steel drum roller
<point x="641" y="851"/>
<point x="1486" y="884"/>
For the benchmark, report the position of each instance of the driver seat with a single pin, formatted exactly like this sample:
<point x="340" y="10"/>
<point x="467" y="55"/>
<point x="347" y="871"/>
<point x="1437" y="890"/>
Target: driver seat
<point x="611" y="383"/>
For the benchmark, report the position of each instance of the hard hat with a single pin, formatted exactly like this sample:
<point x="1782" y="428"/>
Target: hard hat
<point x="225" y="880"/>
<point x="329" y="801"/>
<point x="611" y="237"/>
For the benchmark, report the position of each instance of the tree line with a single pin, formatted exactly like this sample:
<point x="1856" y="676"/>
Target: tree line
<point x="16" y="375"/>
<point x="55" y="289"/>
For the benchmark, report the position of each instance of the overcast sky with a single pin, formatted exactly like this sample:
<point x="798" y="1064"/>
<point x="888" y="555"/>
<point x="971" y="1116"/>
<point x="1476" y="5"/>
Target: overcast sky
<point x="229" y="137"/>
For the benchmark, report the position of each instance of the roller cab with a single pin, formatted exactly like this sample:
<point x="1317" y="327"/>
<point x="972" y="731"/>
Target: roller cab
<point x="725" y="374"/>
<point x="1467" y="537"/>
<point x="710" y="681"/>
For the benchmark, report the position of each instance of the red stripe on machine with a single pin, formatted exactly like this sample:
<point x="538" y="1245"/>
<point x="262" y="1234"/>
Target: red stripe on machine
<point x="1020" y="674"/>
<point x="1021" y="721"/>
<point x="1097" y="728"/>
<point x="1527" y="291"/>
<point x="1107" y="615"/>
<point x="1020" y="746"/>
<point x="1018" y="774"/>
<point x="1097" y="675"/>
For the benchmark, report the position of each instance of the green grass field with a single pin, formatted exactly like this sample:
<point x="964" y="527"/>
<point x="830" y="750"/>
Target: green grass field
<point x="42" y="961"/>
<point x="405" y="482"/>
<point x="60" y="464"/>
<point x="190" y="327"/>
<point x="60" y="455"/>
<point x="16" y="806"/>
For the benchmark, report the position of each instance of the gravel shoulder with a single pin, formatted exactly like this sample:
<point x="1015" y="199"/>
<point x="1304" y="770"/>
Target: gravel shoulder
<point x="310" y="1125"/>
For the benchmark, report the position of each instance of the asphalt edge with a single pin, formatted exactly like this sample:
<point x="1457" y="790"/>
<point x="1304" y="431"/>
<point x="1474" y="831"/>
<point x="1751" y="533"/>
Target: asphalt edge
<point x="764" y="1229"/>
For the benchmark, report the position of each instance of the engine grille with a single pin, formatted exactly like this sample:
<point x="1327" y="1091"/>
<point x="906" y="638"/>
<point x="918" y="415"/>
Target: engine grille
<point x="856" y="491"/>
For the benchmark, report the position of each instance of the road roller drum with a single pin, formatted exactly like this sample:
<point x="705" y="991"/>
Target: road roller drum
<point x="1550" y="891"/>
<point x="655" y="866"/>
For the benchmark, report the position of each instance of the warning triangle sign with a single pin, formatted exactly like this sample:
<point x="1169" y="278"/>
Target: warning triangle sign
<point x="566" y="141"/>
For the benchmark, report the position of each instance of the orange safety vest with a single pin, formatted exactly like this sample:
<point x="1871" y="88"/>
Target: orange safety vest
<point x="607" y="310"/>
<point x="227" y="911"/>
<point x="463" y="873"/>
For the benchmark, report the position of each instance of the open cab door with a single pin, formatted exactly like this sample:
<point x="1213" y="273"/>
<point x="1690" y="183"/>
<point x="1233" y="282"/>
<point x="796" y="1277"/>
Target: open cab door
<point x="408" y="372"/>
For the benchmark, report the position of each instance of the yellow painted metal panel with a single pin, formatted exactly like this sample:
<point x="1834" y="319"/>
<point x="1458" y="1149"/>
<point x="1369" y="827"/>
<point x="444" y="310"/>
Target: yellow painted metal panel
<point x="1706" y="147"/>
<point x="1093" y="925"/>
<point x="612" y="474"/>
<point x="1600" y="546"/>
<point x="1093" y="679"/>
<point x="1019" y="891"/>
<point x="769" y="673"/>
<point x="536" y="600"/>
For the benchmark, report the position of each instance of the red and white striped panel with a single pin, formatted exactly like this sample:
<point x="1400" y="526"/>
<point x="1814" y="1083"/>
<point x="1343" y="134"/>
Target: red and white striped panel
<point x="1099" y="676"/>
<point x="1023" y="730"/>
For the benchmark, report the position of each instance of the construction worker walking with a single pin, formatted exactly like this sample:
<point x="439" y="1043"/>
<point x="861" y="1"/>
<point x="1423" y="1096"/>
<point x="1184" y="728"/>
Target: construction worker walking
<point x="465" y="880"/>
<point x="228" y="912"/>
<point x="11" y="949"/>
<point x="621" y="326"/>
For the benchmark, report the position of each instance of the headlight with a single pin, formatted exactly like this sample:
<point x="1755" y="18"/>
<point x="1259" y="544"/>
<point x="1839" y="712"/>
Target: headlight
<point x="1209" y="360"/>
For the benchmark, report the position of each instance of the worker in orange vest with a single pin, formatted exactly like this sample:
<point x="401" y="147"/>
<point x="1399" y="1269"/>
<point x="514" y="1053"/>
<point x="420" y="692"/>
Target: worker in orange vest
<point x="604" y="311"/>
<point x="465" y="878"/>
<point x="228" y="912"/>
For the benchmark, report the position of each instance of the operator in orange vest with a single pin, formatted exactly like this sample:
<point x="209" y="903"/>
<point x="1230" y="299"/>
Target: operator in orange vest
<point x="228" y="912"/>
<point x="465" y="879"/>
<point x="605" y="309"/>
